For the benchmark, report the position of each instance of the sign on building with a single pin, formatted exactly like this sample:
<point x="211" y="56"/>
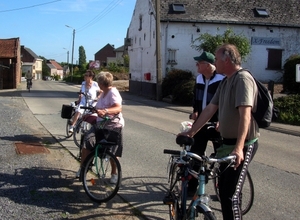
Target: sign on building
<point x="298" y="73"/>
<point x="271" y="41"/>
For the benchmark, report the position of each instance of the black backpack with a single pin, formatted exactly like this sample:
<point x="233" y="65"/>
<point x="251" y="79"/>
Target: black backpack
<point x="265" y="111"/>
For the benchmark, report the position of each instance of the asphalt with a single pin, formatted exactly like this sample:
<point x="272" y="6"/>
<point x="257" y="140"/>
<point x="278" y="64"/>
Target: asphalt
<point x="119" y="203"/>
<point x="278" y="127"/>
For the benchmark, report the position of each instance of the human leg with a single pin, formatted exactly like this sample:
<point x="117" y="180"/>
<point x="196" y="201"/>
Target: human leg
<point x="199" y="147"/>
<point x="230" y="185"/>
<point x="117" y="151"/>
<point x="75" y="118"/>
<point x="88" y="144"/>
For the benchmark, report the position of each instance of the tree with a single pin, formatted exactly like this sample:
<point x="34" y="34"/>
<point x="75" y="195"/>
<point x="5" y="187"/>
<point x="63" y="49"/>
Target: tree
<point x="82" y="57"/>
<point x="126" y="60"/>
<point x="210" y="43"/>
<point x="45" y="68"/>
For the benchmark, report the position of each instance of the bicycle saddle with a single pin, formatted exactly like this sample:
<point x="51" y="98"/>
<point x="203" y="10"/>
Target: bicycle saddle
<point x="184" y="140"/>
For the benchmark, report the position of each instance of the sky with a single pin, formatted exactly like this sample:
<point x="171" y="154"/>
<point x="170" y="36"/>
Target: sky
<point x="41" y="25"/>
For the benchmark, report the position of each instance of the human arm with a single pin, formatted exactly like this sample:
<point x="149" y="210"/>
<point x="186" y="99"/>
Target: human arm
<point x="243" y="127"/>
<point x="204" y="117"/>
<point x="112" y="110"/>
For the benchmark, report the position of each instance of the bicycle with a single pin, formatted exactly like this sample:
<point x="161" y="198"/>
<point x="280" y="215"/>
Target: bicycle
<point x="69" y="120"/>
<point x="96" y="168"/>
<point x="180" y="172"/>
<point x="29" y="84"/>
<point x="82" y="126"/>
<point x="248" y="186"/>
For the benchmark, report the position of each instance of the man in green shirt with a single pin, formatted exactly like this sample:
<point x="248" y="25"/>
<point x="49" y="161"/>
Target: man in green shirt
<point x="235" y="98"/>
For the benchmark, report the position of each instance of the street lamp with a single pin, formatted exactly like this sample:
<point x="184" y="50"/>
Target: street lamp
<point x="72" y="51"/>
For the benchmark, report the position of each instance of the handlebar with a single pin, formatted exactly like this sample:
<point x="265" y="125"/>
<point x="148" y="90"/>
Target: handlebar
<point x="88" y="108"/>
<point x="230" y="158"/>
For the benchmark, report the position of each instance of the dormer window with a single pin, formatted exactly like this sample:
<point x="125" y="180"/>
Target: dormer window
<point x="177" y="8"/>
<point x="261" y="12"/>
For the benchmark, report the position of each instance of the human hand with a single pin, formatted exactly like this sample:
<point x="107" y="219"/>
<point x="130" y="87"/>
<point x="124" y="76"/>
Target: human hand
<point x="239" y="157"/>
<point x="101" y="112"/>
<point x="193" y="116"/>
<point x="187" y="133"/>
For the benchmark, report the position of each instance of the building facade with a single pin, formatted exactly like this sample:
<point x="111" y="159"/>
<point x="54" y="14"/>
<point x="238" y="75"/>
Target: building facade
<point x="272" y="33"/>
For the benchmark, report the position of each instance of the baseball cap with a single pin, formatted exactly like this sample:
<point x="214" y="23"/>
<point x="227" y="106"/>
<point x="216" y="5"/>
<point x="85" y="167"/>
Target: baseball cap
<point x="206" y="56"/>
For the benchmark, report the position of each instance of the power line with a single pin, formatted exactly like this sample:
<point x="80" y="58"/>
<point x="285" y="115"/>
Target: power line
<point x="102" y="14"/>
<point x="16" y="9"/>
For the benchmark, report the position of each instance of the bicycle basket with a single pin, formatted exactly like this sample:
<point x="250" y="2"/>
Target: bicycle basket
<point x="66" y="111"/>
<point x="109" y="134"/>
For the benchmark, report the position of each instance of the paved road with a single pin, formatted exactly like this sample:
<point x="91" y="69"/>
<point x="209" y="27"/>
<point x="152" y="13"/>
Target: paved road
<point x="145" y="179"/>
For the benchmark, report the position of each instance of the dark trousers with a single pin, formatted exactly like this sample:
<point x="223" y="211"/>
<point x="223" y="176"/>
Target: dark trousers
<point x="231" y="182"/>
<point x="201" y="139"/>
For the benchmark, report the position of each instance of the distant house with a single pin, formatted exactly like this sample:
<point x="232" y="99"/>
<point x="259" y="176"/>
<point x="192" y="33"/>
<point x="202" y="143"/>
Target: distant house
<point x="10" y="63"/>
<point x="272" y="28"/>
<point x="66" y="70"/>
<point x="31" y="62"/>
<point x="55" y="68"/>
<point x="107" y="51"/>
<point x="118" y="59"/>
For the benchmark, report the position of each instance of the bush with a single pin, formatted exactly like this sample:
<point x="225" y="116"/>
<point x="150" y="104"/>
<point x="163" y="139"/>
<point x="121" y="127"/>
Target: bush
<point x="179" y="85"/>
<point x="183" y="93"/>
<point x="289" y="77"/>
<point x="289" y="107"/>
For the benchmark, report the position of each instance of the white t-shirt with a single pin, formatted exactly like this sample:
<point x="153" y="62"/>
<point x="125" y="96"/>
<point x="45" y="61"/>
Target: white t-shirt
<point x="91" y="92"/>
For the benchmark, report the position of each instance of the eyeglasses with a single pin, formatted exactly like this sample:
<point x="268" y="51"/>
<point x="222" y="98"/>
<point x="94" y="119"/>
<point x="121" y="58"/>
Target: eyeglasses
<point x="86" y="75"/>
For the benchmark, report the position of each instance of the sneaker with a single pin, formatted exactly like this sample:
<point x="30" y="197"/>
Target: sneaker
<point x="114" y="178"/>
<point x="71" y="129"/>
<point x="78" y="173"/>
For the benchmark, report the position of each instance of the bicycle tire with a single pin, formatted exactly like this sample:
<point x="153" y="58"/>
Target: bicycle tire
<point x="98" y="186"/>
<point x="77" y="132"/>
<point x="174" y="210"/>
<point x="178" y="188"/>
<point x="247" y="193"/>
<point x="68" y="125"/>
<point x="28" y="87"/>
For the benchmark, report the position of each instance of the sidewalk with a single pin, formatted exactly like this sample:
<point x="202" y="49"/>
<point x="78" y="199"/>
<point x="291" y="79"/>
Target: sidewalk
<point x="278" y="127"/>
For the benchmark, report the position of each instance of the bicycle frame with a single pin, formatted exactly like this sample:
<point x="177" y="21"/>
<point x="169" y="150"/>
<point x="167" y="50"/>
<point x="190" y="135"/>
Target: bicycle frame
<point x="200" y="201"/>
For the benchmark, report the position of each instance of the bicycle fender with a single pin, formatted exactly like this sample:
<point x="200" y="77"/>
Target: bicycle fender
<point x="203" y="208"/>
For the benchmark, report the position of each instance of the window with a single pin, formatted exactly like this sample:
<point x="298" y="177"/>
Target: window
<point x="261" y="12"/>
<point x="176" y="8"/>
<point x="141" y="22"/>
<point x="172" y="56"/>
<point x="274" y="59"/>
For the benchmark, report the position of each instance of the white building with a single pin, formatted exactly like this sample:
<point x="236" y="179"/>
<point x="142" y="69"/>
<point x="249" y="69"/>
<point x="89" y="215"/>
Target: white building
<point x="272" y="27"/>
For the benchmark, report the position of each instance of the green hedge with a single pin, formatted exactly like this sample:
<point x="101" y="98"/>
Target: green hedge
<point x="289" y="107"/>
<point x="179" y="85"/>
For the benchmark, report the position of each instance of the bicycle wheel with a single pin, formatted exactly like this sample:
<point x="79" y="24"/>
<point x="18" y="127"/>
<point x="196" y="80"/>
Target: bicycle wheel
<point x="247" y="192"/>
<point x="68" y="125"/>
<point x="28" y="87"/>
<point x="78" y="132"/>
<point x="96" y="174"/>
<point x="174" y="211"/>
<point x="178" y="190"/>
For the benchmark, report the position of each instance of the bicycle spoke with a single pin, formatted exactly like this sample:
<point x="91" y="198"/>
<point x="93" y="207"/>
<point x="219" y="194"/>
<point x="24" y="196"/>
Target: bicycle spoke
<point x="96" y="177"/>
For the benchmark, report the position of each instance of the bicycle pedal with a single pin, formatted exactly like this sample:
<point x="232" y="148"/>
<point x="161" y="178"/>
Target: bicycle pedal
<point x="168" y="200"/>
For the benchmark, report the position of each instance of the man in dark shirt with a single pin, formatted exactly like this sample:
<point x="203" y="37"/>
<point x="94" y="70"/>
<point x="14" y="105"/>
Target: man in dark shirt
<point x="206" y="85"/>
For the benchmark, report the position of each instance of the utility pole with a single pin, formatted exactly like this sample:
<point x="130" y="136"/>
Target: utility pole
<point x="67" y="56"/>
<point x="158" y="54"/>
<point x="72" y="52"/>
